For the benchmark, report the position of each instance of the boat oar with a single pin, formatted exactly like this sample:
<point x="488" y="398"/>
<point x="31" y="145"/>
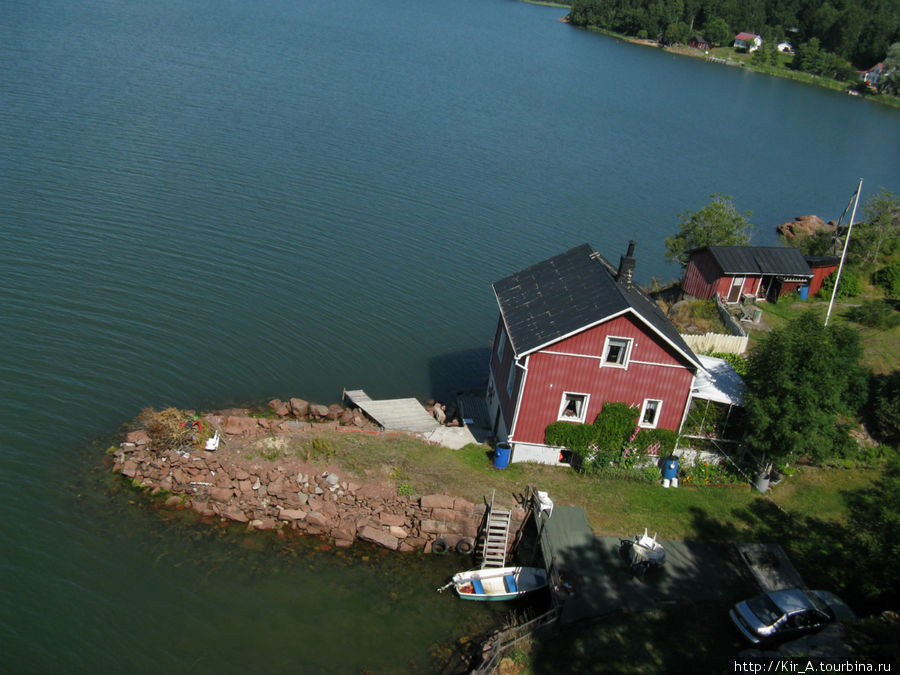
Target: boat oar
<point x="444" y="587"/>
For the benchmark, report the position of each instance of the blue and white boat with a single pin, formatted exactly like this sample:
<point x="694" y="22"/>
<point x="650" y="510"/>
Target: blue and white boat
<point x="498" y="583"/>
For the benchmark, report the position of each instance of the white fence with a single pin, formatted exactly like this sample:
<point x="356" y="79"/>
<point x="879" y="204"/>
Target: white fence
<point x="717" y="342"/>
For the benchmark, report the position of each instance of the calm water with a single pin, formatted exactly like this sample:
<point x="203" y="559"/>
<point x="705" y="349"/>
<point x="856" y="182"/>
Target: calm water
<point x="207" y="203"/>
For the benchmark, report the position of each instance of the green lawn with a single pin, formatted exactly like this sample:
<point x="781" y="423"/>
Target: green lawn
<point x="881" y="348"/>
<point x="614" y="506"/>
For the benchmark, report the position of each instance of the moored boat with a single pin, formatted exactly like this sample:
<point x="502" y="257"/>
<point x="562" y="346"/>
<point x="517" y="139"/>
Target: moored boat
<point x="498" y="583"/>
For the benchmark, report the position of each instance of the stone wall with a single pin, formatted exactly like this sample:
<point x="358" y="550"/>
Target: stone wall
<point x="270" y="495"/>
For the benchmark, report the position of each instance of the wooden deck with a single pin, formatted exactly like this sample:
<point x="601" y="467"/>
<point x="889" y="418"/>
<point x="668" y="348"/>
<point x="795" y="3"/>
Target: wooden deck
<point x="397" y="414"/>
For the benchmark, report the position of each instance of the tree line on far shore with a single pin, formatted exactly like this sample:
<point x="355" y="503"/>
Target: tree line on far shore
<point x="857" y="31"/>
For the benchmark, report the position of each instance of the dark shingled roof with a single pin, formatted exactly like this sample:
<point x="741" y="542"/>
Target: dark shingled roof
<point x="781" y="260"/>
<point x="569" y="292"/>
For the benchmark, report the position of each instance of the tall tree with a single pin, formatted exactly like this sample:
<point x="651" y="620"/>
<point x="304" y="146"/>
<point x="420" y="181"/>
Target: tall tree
<point x="811" y="58"/>
<point x="718" y="223"/>
<point x="881" y="226"/>
<point x="890" y="78"/>
<point x="717" y="32"/>
<point x="799" y="379"/>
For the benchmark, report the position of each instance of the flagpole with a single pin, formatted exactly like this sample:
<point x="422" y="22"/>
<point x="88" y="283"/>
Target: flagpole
<point x="837" y="279"/>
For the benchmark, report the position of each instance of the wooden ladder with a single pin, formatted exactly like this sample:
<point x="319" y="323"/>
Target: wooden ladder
<point x="496" y="537"/>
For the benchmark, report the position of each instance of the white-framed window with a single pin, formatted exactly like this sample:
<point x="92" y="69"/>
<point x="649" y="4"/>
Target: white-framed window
<point x="511" y="380"/>
<point x="650" y="413"/>
<point x="616" y="351"/>
<point x="573" y="407"/>
<point x="501" y="342"/>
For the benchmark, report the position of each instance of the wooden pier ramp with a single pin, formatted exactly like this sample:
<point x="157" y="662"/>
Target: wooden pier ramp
<point x="397" y="414"/>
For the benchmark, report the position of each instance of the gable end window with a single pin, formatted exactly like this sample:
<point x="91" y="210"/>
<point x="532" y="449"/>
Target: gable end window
<point x="501" y="342"/>
<point x="573" y="407"/>
<point x="616" y="352"/>
<point x="511" y="380"/>
<point x="650" y="413"/>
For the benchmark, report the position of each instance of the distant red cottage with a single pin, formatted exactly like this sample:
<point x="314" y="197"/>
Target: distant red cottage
<point x="574" y="333"/>
<point x="767" y="272"/>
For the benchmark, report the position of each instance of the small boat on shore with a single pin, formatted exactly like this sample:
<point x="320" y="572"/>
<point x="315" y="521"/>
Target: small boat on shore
<point x="498" y="583"/>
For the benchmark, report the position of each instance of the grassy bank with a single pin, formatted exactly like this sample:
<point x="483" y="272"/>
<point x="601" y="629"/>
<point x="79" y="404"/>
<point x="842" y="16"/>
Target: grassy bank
<point x="614" y="506"/>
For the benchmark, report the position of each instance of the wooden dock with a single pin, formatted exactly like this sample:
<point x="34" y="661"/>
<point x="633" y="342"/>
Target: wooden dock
<point x="397" y="414"/>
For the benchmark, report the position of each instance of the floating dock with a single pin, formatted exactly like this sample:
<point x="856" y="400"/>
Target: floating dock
<point x="397" y="414"/>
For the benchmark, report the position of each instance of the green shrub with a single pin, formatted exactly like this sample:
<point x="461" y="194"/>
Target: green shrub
<point x="876" y="314"/>
<point x="704" y="473"/>
<point x="888" y="278"/>
<point x="647" y="437"/>
<point x="848" y="288"/>
<point x="704" y="309"/>
<point x="738" y="362"/>
<point x="576" y="437"/>
<point x="883" y="408"/>
<point x="614" y="425"/>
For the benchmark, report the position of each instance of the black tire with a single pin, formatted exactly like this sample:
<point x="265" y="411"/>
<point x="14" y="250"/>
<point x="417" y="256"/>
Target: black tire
<point x="464" y="546"/>
<point x="439" y="546"/>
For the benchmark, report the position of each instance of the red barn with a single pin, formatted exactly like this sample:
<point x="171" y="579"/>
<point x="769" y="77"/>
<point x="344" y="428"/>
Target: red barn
<point x="768" y="272"/>
<point x="575" y="332"/>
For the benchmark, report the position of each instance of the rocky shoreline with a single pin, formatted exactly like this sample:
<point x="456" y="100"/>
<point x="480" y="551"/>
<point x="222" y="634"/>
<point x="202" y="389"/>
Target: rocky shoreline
<point x="289" y="493"/>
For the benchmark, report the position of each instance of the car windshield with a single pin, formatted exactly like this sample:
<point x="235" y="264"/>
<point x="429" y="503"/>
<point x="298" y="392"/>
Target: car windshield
<point x="765" y="610"/>
<point x="820" y="604"/>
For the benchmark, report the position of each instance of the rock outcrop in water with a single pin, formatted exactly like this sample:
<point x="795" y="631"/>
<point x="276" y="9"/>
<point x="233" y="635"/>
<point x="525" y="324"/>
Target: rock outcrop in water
<point x="804" y="226"/>
<point x="288" y="493"/>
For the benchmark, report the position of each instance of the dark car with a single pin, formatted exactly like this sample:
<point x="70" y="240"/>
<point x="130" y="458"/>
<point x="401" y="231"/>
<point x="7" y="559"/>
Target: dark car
<point x="786" y="614"/>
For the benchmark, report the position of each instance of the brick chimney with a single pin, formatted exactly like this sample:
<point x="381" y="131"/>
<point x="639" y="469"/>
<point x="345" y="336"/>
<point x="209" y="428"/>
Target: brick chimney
<point x="626" y="266"/>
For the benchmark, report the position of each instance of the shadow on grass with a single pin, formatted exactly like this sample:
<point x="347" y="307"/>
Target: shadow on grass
<point x="684" y="627"/>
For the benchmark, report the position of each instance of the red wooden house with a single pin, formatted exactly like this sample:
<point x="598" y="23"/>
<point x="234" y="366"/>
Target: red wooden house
<point x="821" y="267"/>
<point x="575" y="332"/>
<point x="733" y="272"/>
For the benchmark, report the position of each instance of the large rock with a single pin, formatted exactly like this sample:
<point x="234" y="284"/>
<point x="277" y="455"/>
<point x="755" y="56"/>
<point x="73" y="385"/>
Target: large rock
<point x="464" y="505"/>
<point x="437" y="502"/>
<point x="221" y="494"/>
<point x="235" y="514"/>
<point x="299" y="407"/>
<point x="318" y="520"/>
<point x="450" y="516"/>
<point x="138" y="437"/>
<point x="292" y="514"/>
<point x="804" y="226"/>
<point x="318" y="410"/>
<point x="281" y="408"/>
<point x="380" y="537"/>
<point x="386" y="518"/>
<point x="240" y="426"/>
<point x="398" y="532"/>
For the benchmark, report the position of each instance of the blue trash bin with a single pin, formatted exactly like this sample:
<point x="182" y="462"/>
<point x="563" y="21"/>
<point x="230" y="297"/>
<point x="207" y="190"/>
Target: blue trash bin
<point x="804" y="292"/>
<point x="670" y="468"/>
<point x="501" y="455"/>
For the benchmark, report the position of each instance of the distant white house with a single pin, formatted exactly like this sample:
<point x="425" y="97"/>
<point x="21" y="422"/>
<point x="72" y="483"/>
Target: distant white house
<point x="749" y="41"/>
<point x="785" y="48"/>
<point x="873" y="75"/>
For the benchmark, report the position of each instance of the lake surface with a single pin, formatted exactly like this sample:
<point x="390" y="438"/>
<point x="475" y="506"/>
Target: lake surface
<point x="207" y="203"/>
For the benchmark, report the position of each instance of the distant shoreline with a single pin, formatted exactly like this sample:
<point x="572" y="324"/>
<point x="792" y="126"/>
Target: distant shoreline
<point x="804" y="78"/>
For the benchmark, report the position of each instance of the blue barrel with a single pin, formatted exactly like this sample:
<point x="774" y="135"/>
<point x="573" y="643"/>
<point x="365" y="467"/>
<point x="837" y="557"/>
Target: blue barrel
<point x="501" y="455"/>
<point x="804" y="292"/>
<point x="670" y="467"/>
